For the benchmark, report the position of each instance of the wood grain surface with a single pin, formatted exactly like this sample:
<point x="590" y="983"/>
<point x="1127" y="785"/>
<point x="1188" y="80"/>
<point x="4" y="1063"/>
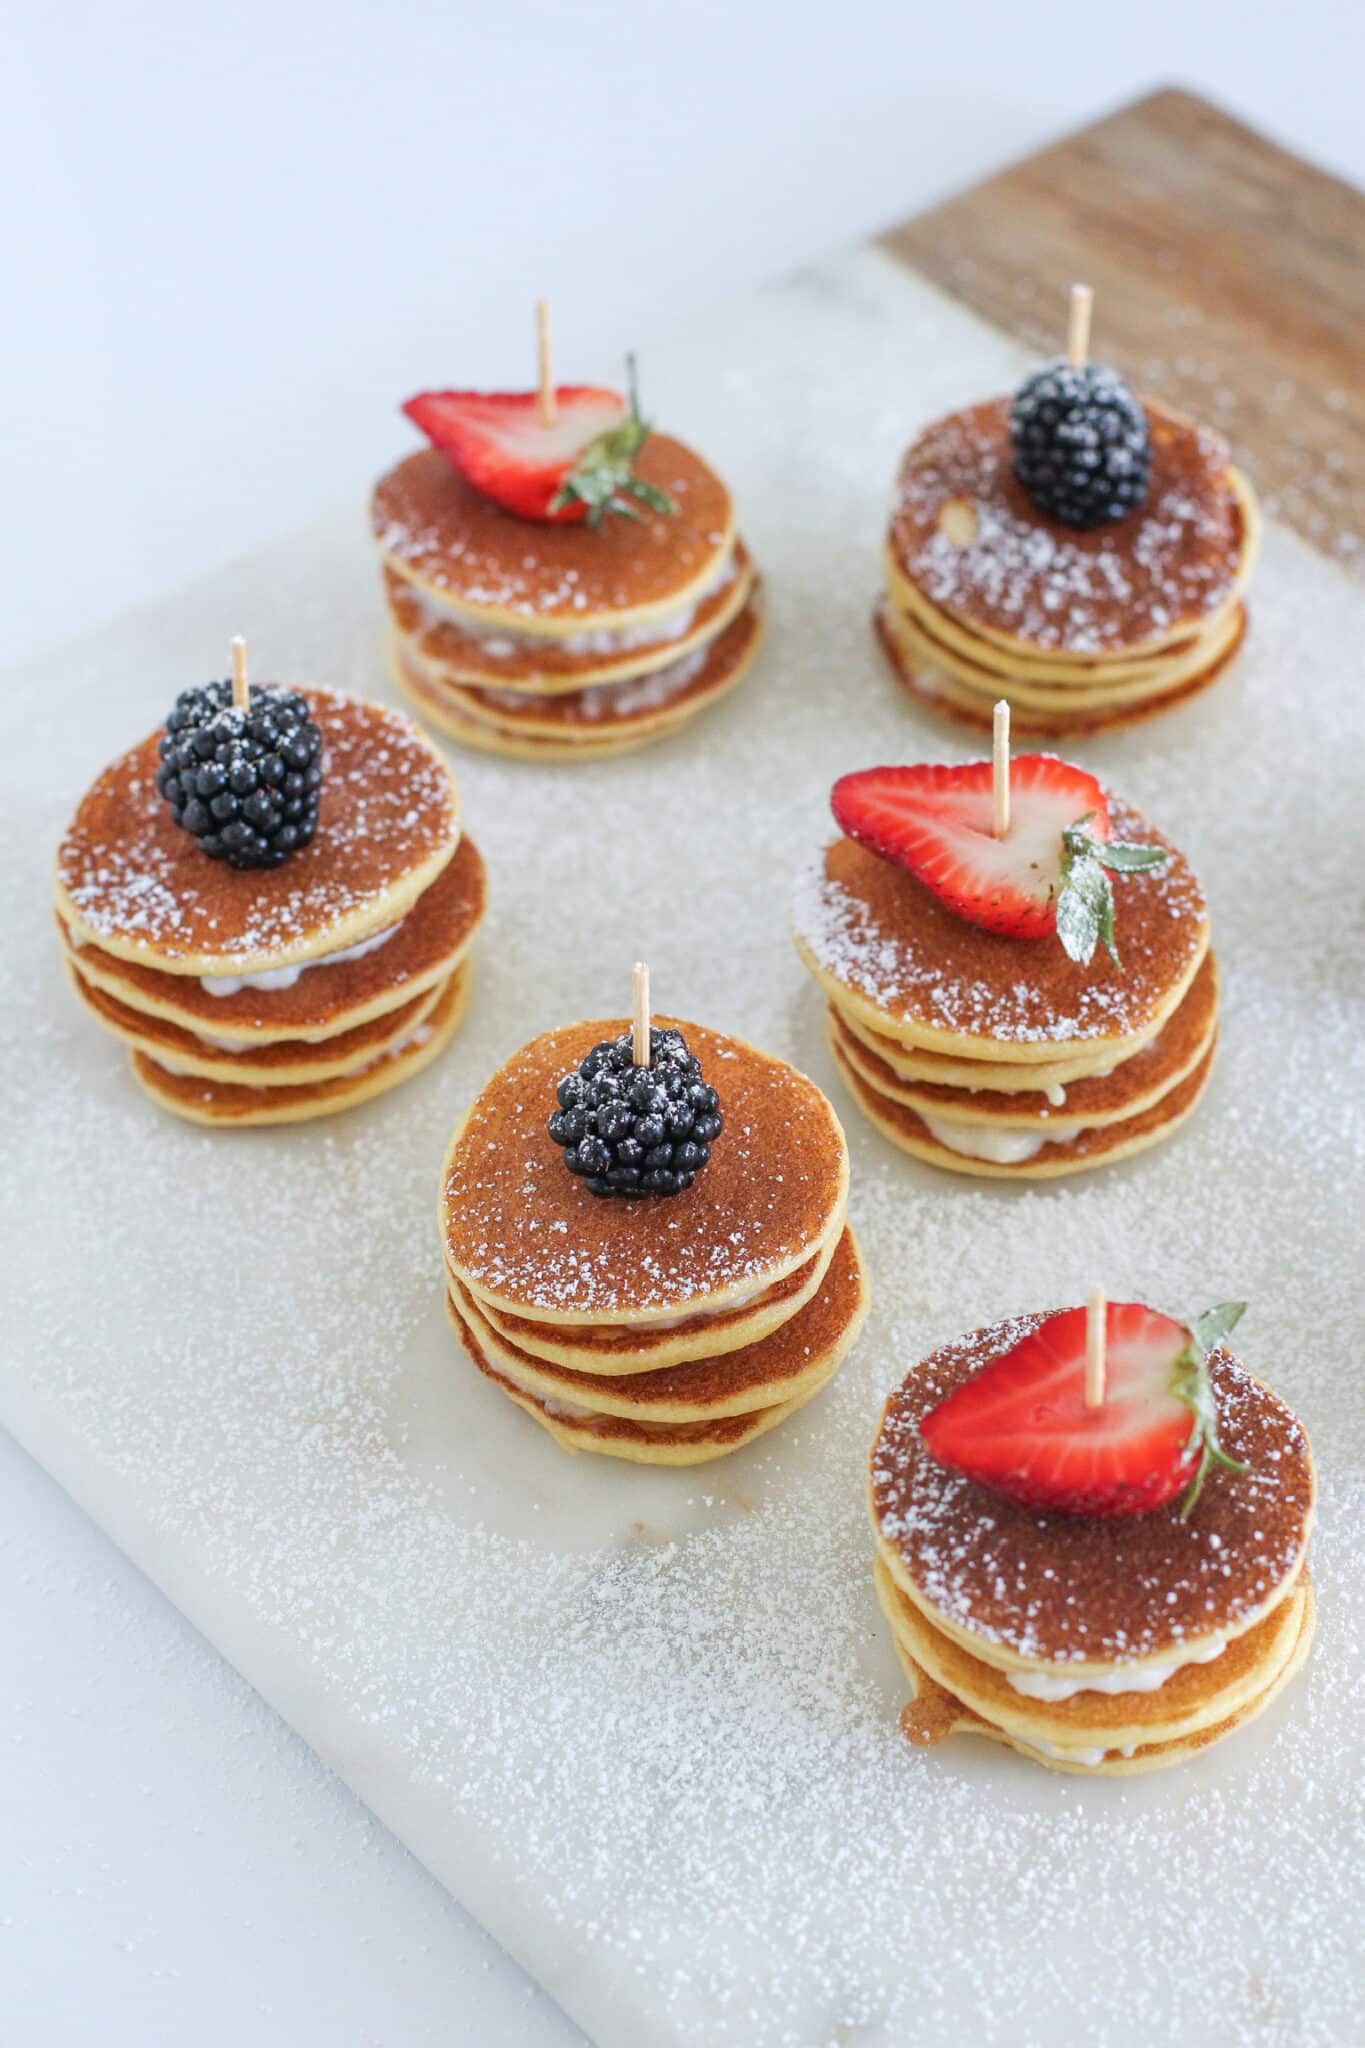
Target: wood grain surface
<point x="1229" y="279"/>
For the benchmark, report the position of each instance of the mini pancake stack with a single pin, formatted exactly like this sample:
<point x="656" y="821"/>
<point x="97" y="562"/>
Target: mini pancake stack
<point x="1005" y="1057"/>
<point x="1091" y="1643"/>
<point x="986" y="595"/>
<point x="271" y="995"/>
<point x="564" y="642"/>
<point x="666" y="1330"/>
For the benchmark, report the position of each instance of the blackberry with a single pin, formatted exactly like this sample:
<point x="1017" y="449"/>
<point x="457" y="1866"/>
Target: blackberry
<point x="632" y="1130"/>
<point x="1082" y="449"/>
<point x="245" y="783"/>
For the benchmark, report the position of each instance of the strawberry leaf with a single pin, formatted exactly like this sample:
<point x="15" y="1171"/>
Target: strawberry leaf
<point x="605" y="469"/>
<point x="1193" y="1386"/>
<point x="1085" y="906"/>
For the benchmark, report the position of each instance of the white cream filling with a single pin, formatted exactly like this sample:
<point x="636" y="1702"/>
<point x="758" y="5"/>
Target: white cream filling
<point x="1041" y="1685"/>
<point x="1002" y="1144"/>
<point x="273" y="978"/>
<point x="502" y="643"/>
<point x="746" y="1298"/>
<point x="418" y="1035"/>
<point x="1073" y="1756"/>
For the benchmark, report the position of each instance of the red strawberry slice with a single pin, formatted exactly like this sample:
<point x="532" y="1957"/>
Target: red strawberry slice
<point x="935" y="821"/>
<point x="580" y="466"/>
<point x="1021" y="1426"/>
<point x="497" y="442"/>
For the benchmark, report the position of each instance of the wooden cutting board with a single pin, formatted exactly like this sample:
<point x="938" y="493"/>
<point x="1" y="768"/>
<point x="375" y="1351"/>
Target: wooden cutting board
<point x="1228" y="275"/>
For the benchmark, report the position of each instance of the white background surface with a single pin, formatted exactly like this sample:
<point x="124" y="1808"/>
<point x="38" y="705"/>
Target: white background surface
<point x="240" y="242"/>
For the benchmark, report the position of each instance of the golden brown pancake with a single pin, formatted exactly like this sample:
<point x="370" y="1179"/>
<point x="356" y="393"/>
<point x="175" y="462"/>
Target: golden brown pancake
<point x="886" y="949"/>
<point x="439" y="532"/>
<point x="1193" y="1697"/>
<point x="137" y="885"/>
<point x="425" y="949"/>
<point x="943" y="694"/>
<point x="228" y="1103"/>
<point x="1077" y="1593"/>
<point x="544" y="666"/>
<point x="621" y="1349"/>
<point x="282" y="1060"/>
<point x="524" y="1234"/>
<point x="1161" y="1065"/>
<point x="1022" y="576"/>
<point x="781" y="1367"/>
<point x="1104" y="1145"/>
<point x="662" y="698"/>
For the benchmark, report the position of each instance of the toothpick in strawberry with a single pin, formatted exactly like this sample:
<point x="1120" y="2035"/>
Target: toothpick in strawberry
<point x="580" y="465"/>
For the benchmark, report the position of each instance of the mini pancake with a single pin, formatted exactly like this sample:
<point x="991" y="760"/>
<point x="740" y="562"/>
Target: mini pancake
<point x="941" y="693"/>
<point x="544" y="666"/>
<point x="230" y="1104"/>
<point x="326" y="1000"/>
<point x="620" y="1350"/>
<point x="649" y="705"/>
<point x="525" y="1236"/>
<point x="1195" y="1697"/>
<point x="620" y="1436"/>
<point x="1104" y="1145"/>
<point x="914" y="1063"/>
<point x="793" y="1362"/>
<point x="934" y="1714"/>
<point x="434" y="703"/>
<point x="888" y="952"/>
<point x="1128" y="1089"/>
<point x="966" y="533"/>
<point x="137" y="885"/>
<point x="931" y="640"/>
<point x="556" y="579"/>
<point x="283" y="1062"/>
<point x="1073" y="1595"/>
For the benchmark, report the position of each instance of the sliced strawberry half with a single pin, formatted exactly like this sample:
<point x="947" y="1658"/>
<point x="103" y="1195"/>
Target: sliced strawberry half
<point x="1021" y="1426"/>
<point x="1047" y="874"/>
<point x="580" y="466"/>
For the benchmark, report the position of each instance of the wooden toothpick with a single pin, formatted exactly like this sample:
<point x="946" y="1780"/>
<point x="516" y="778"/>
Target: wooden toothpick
<point x="1078" y="326"/>
<point x="1000" y="771"/>
<point x="241" y="690"/>
<point x="544" y="374"/>
<point x="1096" y="1316"/>
<point x="639" y="1048"/>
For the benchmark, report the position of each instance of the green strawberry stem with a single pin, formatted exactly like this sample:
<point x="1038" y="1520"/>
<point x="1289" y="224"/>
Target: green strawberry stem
<point x="604" y="477"/>
<point x="1193" y="1386"/>
<point x="1085" y="906"/>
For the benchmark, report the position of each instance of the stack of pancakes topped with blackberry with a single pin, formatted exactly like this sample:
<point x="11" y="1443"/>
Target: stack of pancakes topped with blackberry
<point x="1077" y="550"/>
<point x="645" y="1239"/>
<point x="1020" y="1005"/>
<point x="1092" y="1530"/>
<point x="270" y="902"/>
<point x="562" y="584"/>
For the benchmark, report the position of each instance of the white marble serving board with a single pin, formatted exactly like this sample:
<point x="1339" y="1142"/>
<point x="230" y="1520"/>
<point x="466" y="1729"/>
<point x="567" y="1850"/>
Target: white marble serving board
<point x="644" y="1724"/>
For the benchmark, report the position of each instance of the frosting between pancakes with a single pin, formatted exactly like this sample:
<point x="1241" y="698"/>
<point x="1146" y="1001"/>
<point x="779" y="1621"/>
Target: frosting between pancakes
<point x="273" y="978"/>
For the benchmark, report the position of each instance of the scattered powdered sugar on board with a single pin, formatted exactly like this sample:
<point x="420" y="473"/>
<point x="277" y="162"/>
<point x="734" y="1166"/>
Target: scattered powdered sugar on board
<point x="645" y="1723"/>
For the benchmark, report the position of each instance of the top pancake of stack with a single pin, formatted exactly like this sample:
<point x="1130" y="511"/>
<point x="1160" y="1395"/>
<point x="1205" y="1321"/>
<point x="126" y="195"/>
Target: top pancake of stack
<point x="135" y="884"/>
<point x="528" y="1240"/>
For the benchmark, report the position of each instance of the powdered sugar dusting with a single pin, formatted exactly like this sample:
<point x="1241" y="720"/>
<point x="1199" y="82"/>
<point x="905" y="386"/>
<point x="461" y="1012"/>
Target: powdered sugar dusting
<point x="645" y="1723"/>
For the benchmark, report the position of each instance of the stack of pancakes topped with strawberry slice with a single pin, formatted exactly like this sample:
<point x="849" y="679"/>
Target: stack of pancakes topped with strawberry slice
<point x="646" y="1242"/>
<point x="270" y="903"/>
<point x="560" y="588"/>
<point x="1022" y="1006"/>
<point x="1081" y="551"/>
<point x="1104" y="1584"/>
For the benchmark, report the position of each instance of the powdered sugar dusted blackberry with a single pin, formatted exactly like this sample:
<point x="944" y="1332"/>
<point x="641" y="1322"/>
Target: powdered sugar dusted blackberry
<point x="881" y="934"/>
<point x="643" y="1722"/>
<point x="1078" y="1587"/>
<point x="1169" y="563"/>
<point x="524" y="1230"/>
<point x="129" y="876"/>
